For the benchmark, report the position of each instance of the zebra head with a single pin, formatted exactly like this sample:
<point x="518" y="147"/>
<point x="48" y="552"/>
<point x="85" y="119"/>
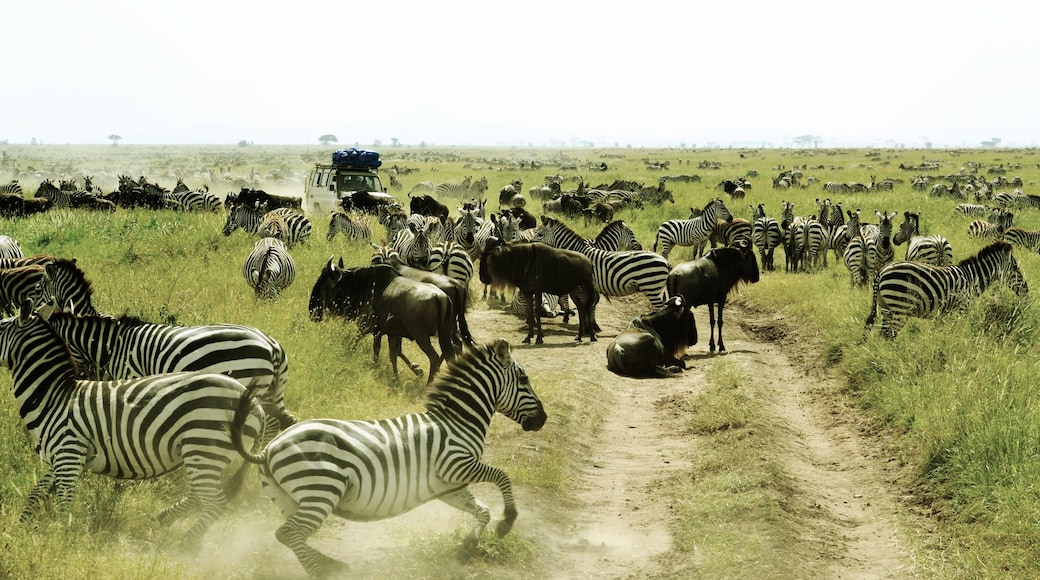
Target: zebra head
<point x="908" y="229"/>
<point x="1012" y="275"/>
<point x="516" y="398"/>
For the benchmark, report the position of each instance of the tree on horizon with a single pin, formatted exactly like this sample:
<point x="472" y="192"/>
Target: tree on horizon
<point x="326" y="139"/>
<point x="115" y="139"/>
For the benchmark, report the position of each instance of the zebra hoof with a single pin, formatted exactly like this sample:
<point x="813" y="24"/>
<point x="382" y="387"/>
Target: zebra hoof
<point x="503" y="528"/>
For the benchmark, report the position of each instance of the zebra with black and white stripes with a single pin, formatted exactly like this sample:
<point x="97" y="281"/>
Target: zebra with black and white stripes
<point x="11" y="188"/>
<point x="282" y="223"/>
<point x="129" y="429"/>
<point x="353" y="228"/>
<point x="614" y="273"/>
<point x="867" y="252"/>
<point x="932" y="249"/>
<point x="269" y="268"/>
<point x="1029" y="239"/>
<point x="129" y="348"/>
<point x="691" y="231"/>
<point x="616" y="236"/>
<point x="190" y="200"/>
<point x="453" y="261"/>
<point x="20" y="284"/>
<point x="370" y="470"/>
<point x="65" y="286"/>
<point x="413" y="246"/>
<point x="10" y="248"/>
<point x="766" y="235"/>
<point x="905" y="289"/>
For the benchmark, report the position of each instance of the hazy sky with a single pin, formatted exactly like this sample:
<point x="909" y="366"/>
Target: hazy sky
<point x="644" y="73"/>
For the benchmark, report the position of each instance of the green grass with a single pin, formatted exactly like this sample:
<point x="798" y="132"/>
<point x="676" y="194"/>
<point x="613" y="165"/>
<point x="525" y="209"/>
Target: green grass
<point x="958" y="392"/>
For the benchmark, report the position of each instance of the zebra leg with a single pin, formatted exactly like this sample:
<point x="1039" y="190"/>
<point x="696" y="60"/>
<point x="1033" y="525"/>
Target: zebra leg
<point x="294" y="533"/>
<point x="463" y="500"/>
<point x="39" y="493"/>
<point x="529" y="311"/>
<point x="178" y="510"/>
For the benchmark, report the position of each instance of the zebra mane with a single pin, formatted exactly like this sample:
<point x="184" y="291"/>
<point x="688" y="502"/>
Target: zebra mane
<point x="549" y="221"/>
<point x="989" y="251"/>
<point x="616" y="224"/>
<point x="455" y="374"/>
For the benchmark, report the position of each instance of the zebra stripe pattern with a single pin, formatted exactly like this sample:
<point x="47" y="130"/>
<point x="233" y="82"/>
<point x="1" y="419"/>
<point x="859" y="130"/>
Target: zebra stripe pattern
<point x="20" y="284"/>
<point x="67" y="287"/>
<point x="453" y="261"/>
<point x="616" y="236"/>
<point x="131" y="429"/>
<point x="928" y="249"/>
<point x="614" y="273"/>
<point x="283" y="223"/>
<point x="351" y="228"/>
<point x="413" y="246"/>
<point x="905" y="289"/>
<point x="766" y="235"/>
<point x="691" y="231"/>
<point x="1029" y="239"/>
<point x="11" y="188"/>
<point x="377" y="469"/>
<point x="269" y="269"/>
<point x="10" y="248"/>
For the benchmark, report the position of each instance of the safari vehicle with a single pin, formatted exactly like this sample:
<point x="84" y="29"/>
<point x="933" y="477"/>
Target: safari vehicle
<point x="351" y="170"/>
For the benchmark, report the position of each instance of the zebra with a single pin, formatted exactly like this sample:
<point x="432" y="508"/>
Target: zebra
<point x="905" y="289"/>
<point x="812" y="243"/>
<point x="1024" y="238"/>
<point x="189" y="200"/>
<point x="251" y="219"/>
<point x="614" y="273"/>
<point x="452" y="260"/>
<point x="369" y="470"/>
<point x="617" y="235"/>
<point x="269" y="269"/>
<point x="128" y="429"/>
<point x="413" y="246"/>
<point x="691" y="231"/>
<point x="929" y="249"/>
<point x="288" y="226"/>
<point x="128" y="348"/>
<point x="870" y="250"/>
<point x="1000" y="221"/>
<point x="972" y="209"/>
<point x="10" y="248"/>
<point x="551" y="307"/>
<point x="65" y="286"/>
<point x="11" y="188"/>
<point x="19" y="284"/>
<point x="353" y="229"/>
<point x="766" y="235"/>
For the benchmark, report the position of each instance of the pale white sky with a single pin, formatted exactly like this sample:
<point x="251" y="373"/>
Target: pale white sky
<point x="641" y="73"/>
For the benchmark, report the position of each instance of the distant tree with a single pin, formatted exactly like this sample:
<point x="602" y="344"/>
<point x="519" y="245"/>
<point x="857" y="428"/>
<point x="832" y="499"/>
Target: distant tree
<point x="326" y="139"/>
<point x="377" y="142"/>
<point x="807" y="140"/>
<point x="33" y="141"/>
<point x="244" y="143"/>
<point x="395" y="142"/>
<point x="115" y="139"/>
<point x="994" y="142"/>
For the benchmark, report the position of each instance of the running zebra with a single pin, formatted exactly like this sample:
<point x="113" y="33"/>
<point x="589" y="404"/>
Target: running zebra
<point x="905" y="289"/>
<point x="130" y="348"/>
<point x="453" y="261"/>
<point x="129" y="429"/>
<point x="928" y="249"/>
<point x="690" y="232"/>
<point x="353" y="229"/>
<point x="12" y="188"/>
<point x="614" y="273"/>
<point x="269" y="269"/>
<point x="370" y="470"/>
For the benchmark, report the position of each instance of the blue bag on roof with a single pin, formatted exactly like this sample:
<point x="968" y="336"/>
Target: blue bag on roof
<point x="354" y="157"/>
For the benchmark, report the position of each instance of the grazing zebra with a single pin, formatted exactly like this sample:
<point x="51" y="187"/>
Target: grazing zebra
<point x="195" y="200"/>
<point x="972" y="209"/>
<point x="766" y="235"/>
<point x="905" y="289"/>
<point x="251" y="219"/>
<point x="288" y="226"/>
<point x="130" y="348"/>
<point x="1001" y="220"/>
<point x="10" y="248"/>
<point x="452" y="260"/>
<point x="928" y="249"/>
<point x="371" y="470"/>
<point x="614" y="273"/>
<point x="1025" y="238"/>
<point x="353" y="230"/>
<point x="128" y="429"/>
<point x="690" y="231"/>
<point x="616" y="236"/>
<point x="269" y="269"/>
<point x="12" y="188"/>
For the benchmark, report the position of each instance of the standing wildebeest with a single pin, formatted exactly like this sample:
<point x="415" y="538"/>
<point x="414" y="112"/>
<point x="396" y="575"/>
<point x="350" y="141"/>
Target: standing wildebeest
<point x="382" y="301"/>
<point x="654" y="343"/>
<point x="534" y="268"/>
<point x="709" y="280"/>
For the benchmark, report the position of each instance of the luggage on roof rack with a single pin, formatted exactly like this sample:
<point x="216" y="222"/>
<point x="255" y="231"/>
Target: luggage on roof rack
<point x="354" y="157"/>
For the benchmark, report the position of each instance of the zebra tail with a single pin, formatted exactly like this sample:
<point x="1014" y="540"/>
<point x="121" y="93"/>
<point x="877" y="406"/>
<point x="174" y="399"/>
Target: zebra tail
<point x="873" y="303"/>
<point x="245" y="405"/>
<point x="657" y="236"/>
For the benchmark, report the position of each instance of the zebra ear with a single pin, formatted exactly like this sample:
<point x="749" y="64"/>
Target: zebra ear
<point x="502" y="352"/>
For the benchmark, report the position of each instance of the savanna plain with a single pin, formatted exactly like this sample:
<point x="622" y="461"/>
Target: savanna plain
<point x="810" y="449"/>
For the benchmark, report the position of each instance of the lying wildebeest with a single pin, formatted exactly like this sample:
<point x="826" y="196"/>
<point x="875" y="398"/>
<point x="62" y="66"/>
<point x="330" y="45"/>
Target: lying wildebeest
<point x="709" y="280"/>
<point x="250" y="197"/>
<point x="382" y="301"/>
<point x="534" y="268"/>
<point x="654" y="343"/>
<point x="428" y="206"/>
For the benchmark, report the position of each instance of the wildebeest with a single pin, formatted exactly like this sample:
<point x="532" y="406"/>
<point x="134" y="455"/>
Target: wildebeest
<point x="382" y="301"/>
<point x="428" y="206"/>
<point x="366" y="201"/>
<point x="534" y="268"/>
<point x="710" y="279"/>
<point x="654" y="343"/>
<point x="250" y="197"/>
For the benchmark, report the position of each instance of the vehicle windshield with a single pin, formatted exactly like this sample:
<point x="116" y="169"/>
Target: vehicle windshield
<point x="358" y="183"/>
